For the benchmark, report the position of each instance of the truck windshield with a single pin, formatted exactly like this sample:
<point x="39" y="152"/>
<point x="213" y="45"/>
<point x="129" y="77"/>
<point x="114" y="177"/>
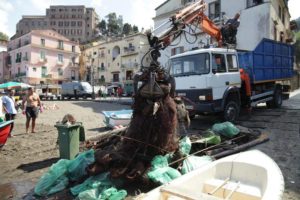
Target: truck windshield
<point x="190" y="65"/>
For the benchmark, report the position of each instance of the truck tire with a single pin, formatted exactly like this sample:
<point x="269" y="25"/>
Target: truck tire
<point x="277" y="99"/>
<point x="231" y="111"/>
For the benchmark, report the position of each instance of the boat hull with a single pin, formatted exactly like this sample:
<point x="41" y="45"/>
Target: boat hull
<point x="250" y="175"/>
<point x="4" y="132"/>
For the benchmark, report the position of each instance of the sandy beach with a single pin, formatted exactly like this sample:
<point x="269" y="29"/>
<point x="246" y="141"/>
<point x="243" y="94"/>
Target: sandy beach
<point x="25" y="157"/>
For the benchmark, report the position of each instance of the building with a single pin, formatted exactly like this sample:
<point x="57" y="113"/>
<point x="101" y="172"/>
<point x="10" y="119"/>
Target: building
<point x="42" y="57"/>
<point x="115" y="62"/>
<point x="3" y="58"/>
<point x="77" y="23"/>
<point x="259" y="19"/>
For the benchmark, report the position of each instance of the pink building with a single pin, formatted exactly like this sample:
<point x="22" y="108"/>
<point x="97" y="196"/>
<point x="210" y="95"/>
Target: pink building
<point x="43" y="57"/>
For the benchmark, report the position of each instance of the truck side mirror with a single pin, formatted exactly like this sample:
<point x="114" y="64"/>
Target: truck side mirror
<point x="214" y="71"/>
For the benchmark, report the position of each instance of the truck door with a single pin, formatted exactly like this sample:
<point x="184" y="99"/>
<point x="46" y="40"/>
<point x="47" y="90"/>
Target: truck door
<point x="220" y="79"/>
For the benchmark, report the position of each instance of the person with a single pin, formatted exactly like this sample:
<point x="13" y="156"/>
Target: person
<point x="9" y="106"/>
<point x="119" y="92"/>
<point x="229" y="30"/>
<point x="182" y="116"/>
<point x="33" y="103"/>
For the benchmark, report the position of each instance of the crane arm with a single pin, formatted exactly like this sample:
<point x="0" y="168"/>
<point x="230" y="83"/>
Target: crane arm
<point x="190" y="15"/>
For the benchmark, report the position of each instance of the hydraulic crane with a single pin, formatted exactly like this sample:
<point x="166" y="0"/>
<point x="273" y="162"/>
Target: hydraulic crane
<point x="190" y="16"/>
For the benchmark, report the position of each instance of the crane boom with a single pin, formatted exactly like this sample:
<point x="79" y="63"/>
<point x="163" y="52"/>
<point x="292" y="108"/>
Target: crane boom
<point x="190" y="15"/>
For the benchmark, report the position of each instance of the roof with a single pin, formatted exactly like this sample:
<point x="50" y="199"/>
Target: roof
<point x="54" y="34"/>
<point x="215" y="50"/>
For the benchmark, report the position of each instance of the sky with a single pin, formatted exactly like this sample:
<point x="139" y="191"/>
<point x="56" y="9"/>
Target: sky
<point x="138" y="12"/>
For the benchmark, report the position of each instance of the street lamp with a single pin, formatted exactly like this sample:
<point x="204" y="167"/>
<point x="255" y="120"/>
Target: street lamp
<point x="93" y="78"/>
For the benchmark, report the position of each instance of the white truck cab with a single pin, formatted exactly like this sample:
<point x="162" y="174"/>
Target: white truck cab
<point x="208" y="78"/>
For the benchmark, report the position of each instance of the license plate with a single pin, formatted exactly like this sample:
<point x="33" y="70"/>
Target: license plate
<point x="189" y="107"/>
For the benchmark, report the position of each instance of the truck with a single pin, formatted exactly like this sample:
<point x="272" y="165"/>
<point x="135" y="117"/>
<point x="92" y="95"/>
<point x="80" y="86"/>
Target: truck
<point x="76" y="89"/>
<point x="48" y="91"/>
<point x="222" y="80"/>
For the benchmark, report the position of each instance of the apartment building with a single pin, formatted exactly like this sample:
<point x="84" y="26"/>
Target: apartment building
<point x="259" y="19"/>
<point x="3" y="58"/>
<point x="77" y="23"/>
<point x="115" y="62"/>
<point x="42" y="57"/>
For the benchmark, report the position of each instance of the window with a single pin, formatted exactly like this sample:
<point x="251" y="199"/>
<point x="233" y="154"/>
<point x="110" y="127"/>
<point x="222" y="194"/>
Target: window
<point x="73" y="23"/>
<point x="251" y="3"/>
<point x="60" y="71"/>
<point x="72" y="75"/>
<point x="44" y="71"/>
<point x="67" y="23"/>
<point x="279" y="11"/>
<point x="79" y="23"/>
<point x="43" y="42"/>
<point x="283" y="17"/>
<point x="232" y="63"/>
<point x="214" y="10"/>
<point x="190" y="65"/>
<point x="42" y="55"/>
<point x="32" y="23"/>
<point x="176" y="50"/>
<point x="60" y="58"/>
<point x="60" y="44"/>
<point x="73" y="48"/>
<point x="218" y="63"/>
<point x="34" y="69"/>
<point x="60" y="23"/>
<point x="115" y="77"/>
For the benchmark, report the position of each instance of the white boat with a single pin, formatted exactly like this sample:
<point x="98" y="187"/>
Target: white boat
<point x="250" y="175"/>
<point x="117" y="118"/>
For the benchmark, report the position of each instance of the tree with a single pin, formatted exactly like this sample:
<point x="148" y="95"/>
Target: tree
<point x="112" y="23"/>
<point x="127" y="29"/>
<point x="102" y="27"/>
<point x="3" y="36"/>
<point x="135" y="29"/>
<point x="120" y="24"/>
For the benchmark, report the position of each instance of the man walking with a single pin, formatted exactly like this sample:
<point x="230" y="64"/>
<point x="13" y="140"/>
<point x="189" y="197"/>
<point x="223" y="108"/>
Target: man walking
<point x="33" y="104"/>
<point x="9" y="106"/>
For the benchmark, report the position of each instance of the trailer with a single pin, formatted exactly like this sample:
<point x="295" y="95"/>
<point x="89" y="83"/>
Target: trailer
<point x="220" y="80"/>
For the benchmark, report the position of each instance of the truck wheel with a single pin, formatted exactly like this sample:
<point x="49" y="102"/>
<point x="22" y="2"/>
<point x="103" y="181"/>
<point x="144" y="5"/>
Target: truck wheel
<point x="277" y="99"/>
<point x="231" y="111"/>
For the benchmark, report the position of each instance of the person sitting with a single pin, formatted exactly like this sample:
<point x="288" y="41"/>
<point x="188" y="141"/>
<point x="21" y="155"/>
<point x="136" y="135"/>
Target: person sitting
<point x="229" y="30"/>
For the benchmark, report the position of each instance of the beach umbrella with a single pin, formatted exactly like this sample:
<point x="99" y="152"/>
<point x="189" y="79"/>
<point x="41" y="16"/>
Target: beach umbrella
<point x="10" y="85"/>
<point x="14" y="85"/>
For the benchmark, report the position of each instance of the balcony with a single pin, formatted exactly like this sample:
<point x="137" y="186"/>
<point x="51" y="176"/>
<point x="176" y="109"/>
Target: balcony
<point x="44" y="75"/>
<point x="25" y="58"/>
<point x="18" y="60"/>
<point x="129" y="50"/>
<point x="21" y="74"/>
<point x="59" y="62"/>
<point x="60" y="47"/>
<point x="130" y="65"/>
<point x="42" y="60"/>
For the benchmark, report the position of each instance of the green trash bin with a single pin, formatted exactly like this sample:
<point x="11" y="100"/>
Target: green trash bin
<point x="68" y="139"/>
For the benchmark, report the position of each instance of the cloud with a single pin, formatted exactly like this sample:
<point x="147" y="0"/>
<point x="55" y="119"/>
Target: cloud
<point x="96" y="3"/>
<point x="5" y="9"/>
<point x="294" y="8"/>
<point x="143" y="12"/>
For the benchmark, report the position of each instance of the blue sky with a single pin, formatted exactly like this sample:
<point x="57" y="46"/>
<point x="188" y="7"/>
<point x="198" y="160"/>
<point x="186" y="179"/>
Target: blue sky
<point x="139" y="12"/>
